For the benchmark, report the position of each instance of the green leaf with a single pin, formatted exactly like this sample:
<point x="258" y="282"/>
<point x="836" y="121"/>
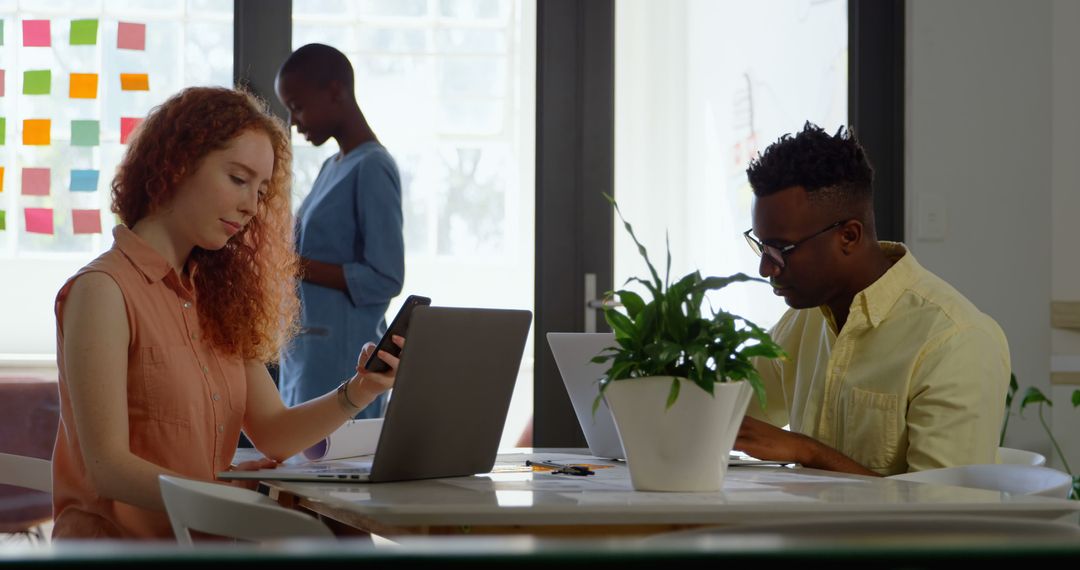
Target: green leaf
<point x="667" y="273"/>
<point x="633" y="303"/>
<point x="1034" y="395"/>
<point x="673" y="394"/>
<point x="641" y="248"/>
<point x="714" y="283"/>
<point x="620" y="323"/>
<point x="1076" y="398"/>
<point x="762" y="349"/>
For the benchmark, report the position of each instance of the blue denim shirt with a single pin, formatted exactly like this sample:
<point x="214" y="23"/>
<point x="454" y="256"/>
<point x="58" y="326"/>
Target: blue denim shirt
<point x="352" y="218"/>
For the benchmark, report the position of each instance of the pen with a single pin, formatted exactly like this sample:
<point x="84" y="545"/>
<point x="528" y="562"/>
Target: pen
<point x="560" y="468"/>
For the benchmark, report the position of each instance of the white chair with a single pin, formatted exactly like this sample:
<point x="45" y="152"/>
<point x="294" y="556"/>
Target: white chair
<point x="1014" y="479"/>
<point x="26" y="472"/>
<point x="1013" y="456"/>
<point x="232" y="512"/>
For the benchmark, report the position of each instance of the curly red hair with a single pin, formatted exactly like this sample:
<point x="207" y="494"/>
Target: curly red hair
<point x="247" y="295"/>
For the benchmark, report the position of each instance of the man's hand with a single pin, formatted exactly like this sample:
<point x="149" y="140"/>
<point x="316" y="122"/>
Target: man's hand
<point x="768" y="442"/>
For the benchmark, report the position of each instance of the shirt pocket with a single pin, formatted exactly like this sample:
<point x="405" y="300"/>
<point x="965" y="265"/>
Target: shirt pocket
<point x="171" y="384"/>
<point x="870" y="428"/>
<point x="235" y="380"/>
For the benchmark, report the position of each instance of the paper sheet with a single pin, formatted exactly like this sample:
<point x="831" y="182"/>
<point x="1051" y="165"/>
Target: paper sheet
<point x="356" y="437"/>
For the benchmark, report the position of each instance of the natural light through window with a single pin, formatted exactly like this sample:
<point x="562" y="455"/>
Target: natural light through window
<point x="701" y="87"/>
<point x="448" y="87"/>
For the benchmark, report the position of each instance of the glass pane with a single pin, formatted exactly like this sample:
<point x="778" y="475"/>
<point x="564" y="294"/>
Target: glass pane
<point x="700" y="88"/>
<point x="62" y="63"/>
<point x="448" y="87"/>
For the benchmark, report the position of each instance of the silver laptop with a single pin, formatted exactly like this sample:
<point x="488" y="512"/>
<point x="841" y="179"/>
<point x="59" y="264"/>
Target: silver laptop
<point x="573" y="354"/>
<point x="451" y="398"/>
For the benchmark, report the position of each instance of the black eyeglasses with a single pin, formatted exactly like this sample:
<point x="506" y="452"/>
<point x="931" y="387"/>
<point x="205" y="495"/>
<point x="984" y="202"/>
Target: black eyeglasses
<point x="776" y="254"/>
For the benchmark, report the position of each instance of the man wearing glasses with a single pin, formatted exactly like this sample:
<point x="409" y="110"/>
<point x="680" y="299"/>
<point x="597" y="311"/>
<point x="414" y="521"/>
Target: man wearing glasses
<point x="890" y="369"/>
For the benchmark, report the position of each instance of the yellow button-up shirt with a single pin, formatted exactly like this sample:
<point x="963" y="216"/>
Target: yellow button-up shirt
<point x="915" y="380"/>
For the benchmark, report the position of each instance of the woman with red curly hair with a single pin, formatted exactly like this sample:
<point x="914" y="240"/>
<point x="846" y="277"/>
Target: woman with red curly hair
<point x="162" y="340"/>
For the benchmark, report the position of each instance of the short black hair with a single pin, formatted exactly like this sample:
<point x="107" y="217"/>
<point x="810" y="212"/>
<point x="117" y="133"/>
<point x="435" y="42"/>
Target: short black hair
<point x="319" y="64"/>
<point x="832" y="168"/>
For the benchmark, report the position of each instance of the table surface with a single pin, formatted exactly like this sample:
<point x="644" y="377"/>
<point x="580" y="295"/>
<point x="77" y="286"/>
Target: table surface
<point x="515" y="499"/>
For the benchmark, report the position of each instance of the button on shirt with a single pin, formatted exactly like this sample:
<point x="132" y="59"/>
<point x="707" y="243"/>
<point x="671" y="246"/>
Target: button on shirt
<point x="915" y="380"/>
<point x="186" y="399"/>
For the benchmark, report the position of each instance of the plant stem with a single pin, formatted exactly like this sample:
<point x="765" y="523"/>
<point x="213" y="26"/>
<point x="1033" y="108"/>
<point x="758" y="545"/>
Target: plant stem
<point x="1053" y="441"/>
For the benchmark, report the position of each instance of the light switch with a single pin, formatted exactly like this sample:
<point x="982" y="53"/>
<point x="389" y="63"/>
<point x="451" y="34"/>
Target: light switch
<point x="931" y="217"/>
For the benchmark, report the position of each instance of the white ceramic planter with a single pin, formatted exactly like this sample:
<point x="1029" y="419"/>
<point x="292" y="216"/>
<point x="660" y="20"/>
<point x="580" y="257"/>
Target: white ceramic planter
<point x="686" y="447"/>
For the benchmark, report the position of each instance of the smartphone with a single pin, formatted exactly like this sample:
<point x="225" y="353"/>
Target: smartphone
<point x="398" y="326"/>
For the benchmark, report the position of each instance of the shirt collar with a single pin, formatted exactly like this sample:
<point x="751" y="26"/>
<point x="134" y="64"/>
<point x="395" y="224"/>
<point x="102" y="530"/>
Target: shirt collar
<point x="878" y="299"/>
<point x="147" y="260"/>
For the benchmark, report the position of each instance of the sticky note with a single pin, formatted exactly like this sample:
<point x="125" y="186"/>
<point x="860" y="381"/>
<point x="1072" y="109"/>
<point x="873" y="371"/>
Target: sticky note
<point x="35" y="181"/>
<point x="127" y="124"/>
<point x="84" y="32"/>
<point x="2" y="82"/>
<point x="3" y="130"/>
<point x="3" y="220"/>
<point x="84" y="180"/>
<point x="134" y="82"/>
<point x="130" y="36"/>
<point x="86" y="221"/>
<point x="85" y="133"/>
<point x="36" y="131"/>
<point x="83" y="86"/>
<point x="36" y="33"/>
<point x="39" y="220"/>
<point x="37" y="82"/>
<point x="1" y="178"/>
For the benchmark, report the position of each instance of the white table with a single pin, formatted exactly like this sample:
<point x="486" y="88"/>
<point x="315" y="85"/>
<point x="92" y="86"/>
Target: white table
<point x="605" y="504"/>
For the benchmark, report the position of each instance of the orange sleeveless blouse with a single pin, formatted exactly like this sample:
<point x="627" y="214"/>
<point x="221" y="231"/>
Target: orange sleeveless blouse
<point x="185" y="398"/>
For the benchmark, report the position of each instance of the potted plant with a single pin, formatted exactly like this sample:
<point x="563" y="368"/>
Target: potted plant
<point x="679" y="380"/>
<point x="1035" y="396"/>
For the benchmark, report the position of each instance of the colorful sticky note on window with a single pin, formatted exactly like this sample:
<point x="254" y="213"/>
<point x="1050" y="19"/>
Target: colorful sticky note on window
<point x="84" y="32"/>
<point x="83" y="86"/>
<point x="35" y="181"/>
<point x="36" y="33"/>
<point x="1" y="178"/>
<point x="37" y="82"/>
<point x="134" y="81"/>
<point x="3" y="130"/>
<point x="86" y="221"/>
<point x="39" y="220"/>
<point x="84" y="180"/>
<point x="37" y="131"/>
<point x="3" y="220"/>
<point x="2" y="82"/>
<point x="127" y="124"/>
<point x="85" y="133"/>
<point x="130" y="36"/>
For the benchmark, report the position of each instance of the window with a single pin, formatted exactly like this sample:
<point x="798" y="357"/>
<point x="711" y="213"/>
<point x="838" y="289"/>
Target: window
<point x="77" y="76"/>
<point x="448" y="87"/>
<point x="700" y="88"/>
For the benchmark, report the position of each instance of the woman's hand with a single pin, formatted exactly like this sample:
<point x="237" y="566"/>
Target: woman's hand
<point x="253" y="465"/>
<point x="370" y="384"/>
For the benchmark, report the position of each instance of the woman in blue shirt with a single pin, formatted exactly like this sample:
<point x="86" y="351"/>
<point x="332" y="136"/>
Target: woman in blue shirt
<point x="349" y="228"/>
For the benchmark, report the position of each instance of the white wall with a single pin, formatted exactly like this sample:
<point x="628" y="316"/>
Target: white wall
<point x="983" y="140"/>
<point x="1065" y="202"/>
